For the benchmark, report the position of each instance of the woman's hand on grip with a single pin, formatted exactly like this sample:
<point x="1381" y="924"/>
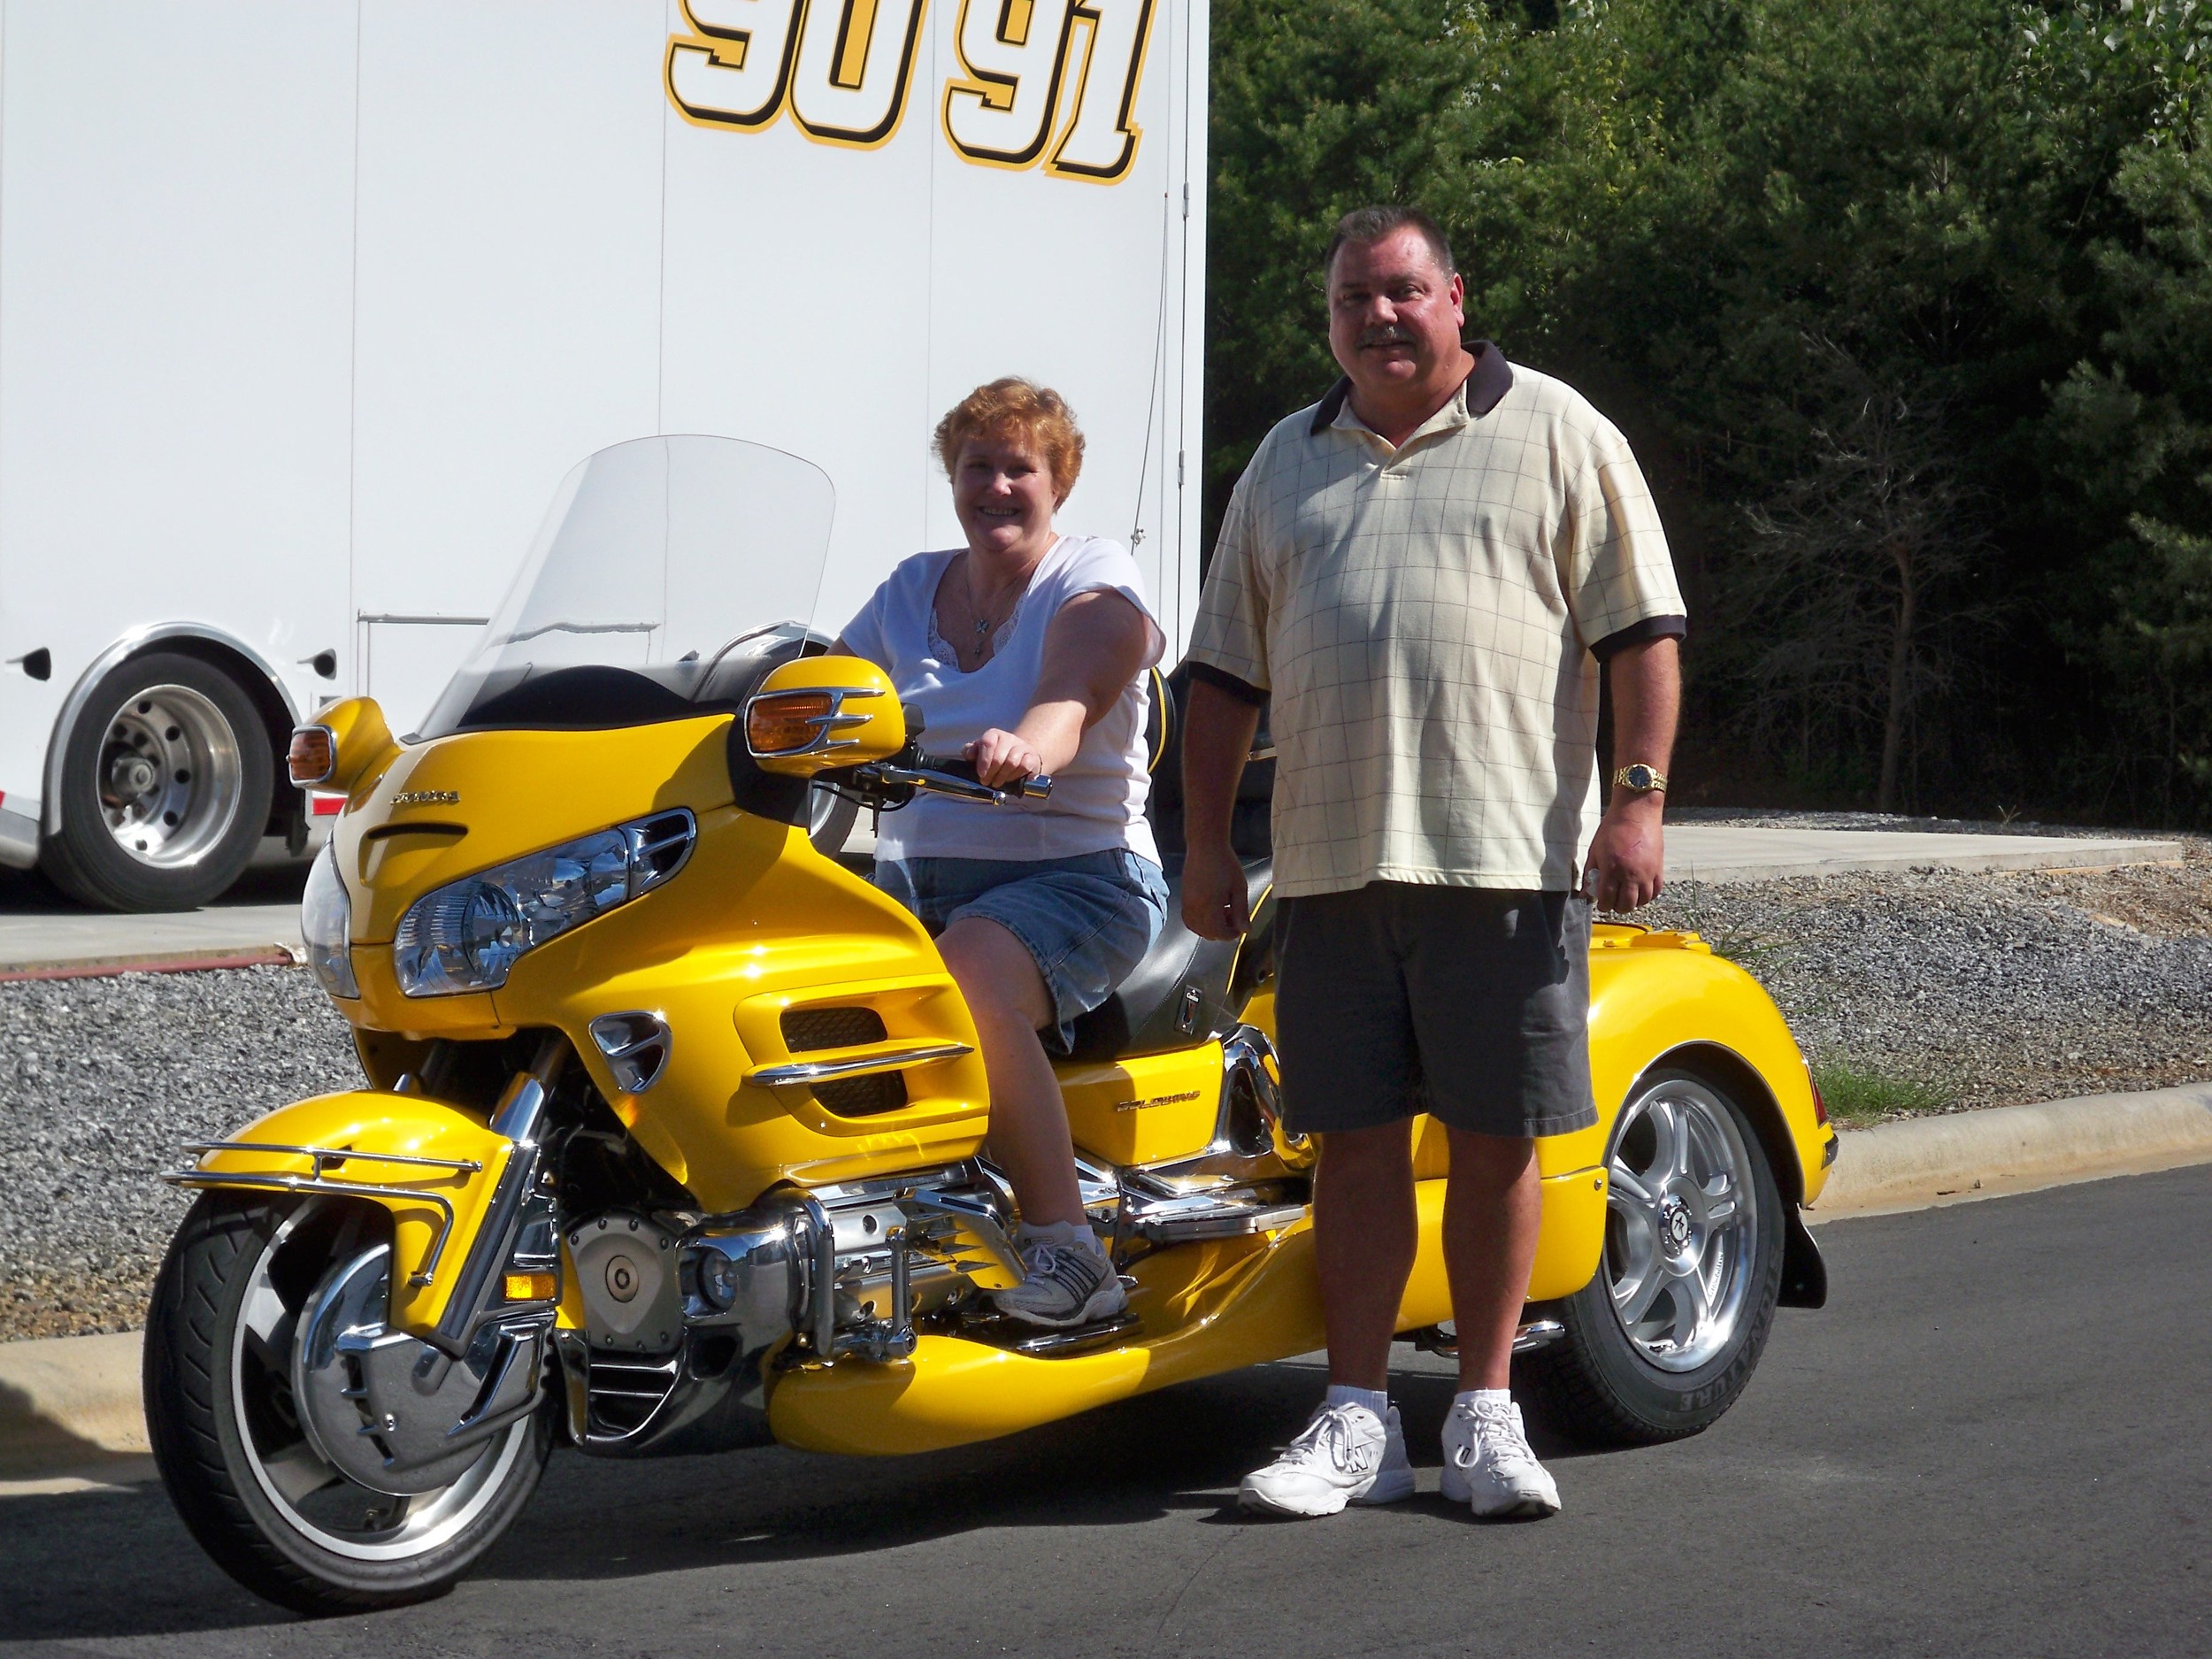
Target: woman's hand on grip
<point x="1001" y="757"/>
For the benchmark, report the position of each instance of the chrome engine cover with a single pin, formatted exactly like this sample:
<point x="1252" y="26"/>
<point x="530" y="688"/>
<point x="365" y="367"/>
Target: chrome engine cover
<point x="625" y="1268"/>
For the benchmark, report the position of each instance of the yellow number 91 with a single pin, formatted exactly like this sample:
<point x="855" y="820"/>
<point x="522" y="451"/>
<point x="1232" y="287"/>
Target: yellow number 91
<point x="842" y="68"/>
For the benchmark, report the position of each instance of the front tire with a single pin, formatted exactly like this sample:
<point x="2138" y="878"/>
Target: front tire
<point x="1666" y="1334"/>
<point x="243" y="1474"/>
<point x="165" y="788"/>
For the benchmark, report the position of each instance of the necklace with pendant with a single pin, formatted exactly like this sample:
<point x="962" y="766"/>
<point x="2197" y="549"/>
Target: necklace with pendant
<point x="984" y="626"/>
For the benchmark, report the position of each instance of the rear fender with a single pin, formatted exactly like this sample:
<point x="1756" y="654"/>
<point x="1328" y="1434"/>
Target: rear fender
<point x="434" y="1166"/>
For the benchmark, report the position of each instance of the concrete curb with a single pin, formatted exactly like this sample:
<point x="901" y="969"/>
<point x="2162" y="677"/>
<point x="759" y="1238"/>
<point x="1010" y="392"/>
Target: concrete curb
<point x="69" y="1402"/>
<point x="1924" y="1161"/>
<point x="72" y="1403"/>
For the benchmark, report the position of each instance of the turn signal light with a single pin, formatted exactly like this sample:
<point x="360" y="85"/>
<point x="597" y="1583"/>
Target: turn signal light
<point x="784" y="723"/>
<point x="532" y="1288"/>
<point x="313" y="755"/>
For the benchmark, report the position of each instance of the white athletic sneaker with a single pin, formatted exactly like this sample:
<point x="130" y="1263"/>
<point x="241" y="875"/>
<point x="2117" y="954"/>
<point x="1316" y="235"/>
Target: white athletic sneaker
<point x="1488" y="1465"/>
<point x="1345" y="1454"/>
<point x="1066" y="1282"/>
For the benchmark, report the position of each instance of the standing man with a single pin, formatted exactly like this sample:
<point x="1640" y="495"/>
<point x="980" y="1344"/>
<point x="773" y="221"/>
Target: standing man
<point x="1425" y="570"/>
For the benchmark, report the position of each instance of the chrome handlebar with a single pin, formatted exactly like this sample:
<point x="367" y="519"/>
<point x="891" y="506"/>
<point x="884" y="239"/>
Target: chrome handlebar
<point x="950" y="775"/>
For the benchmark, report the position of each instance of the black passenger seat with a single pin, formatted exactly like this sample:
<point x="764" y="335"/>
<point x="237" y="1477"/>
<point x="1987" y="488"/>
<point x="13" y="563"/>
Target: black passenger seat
<point x="1186" y="988"/>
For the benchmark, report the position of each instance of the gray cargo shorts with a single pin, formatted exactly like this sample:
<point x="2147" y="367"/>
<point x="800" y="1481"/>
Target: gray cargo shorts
<point x="1470" y="1004"/>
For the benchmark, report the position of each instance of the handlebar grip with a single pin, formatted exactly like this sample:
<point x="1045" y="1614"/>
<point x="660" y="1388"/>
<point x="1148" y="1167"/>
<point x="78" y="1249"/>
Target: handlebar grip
<point x="960" y="766"/>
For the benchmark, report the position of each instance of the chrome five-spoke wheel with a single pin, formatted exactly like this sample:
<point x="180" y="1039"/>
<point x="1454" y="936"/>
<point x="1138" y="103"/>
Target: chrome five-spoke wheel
<point x="1668" y="1330"/>
<point x="1681" y="1226"/>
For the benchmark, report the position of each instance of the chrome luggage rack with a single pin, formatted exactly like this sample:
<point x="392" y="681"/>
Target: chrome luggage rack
<point x="315" y="1181"/>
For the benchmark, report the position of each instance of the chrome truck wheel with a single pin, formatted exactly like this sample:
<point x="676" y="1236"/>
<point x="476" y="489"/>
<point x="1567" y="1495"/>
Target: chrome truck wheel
<point x="260" y="1433"/>
<point x="167" y="785"/>
<point x="829" y="820"/>
<point x="1666" y="1334"/>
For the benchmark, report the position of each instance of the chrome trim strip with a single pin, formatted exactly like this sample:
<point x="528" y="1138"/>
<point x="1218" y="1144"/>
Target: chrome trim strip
<point x="836" y="720"/>
<point x="335" y="1155"/>
<point x="130" y="645"/>
<point x="268" y="1182"/>
<point x="804" y="1071"/>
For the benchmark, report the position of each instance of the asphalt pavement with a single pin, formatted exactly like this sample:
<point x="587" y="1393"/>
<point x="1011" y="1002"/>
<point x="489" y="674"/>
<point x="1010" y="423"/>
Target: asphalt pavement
<point x="1996" y="1439"/>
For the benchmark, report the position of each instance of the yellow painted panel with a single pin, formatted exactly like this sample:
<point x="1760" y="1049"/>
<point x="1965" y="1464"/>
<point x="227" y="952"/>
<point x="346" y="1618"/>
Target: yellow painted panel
<point x="759" y="922"/>
<point x="514" y="792"/>
<point x="1142" y="1109"/>
<point x="367" y="1123"/>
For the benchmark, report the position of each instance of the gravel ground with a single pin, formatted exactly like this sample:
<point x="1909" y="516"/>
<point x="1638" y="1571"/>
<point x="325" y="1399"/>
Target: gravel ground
<point x="1982" y="990"/>
<point x="101" y="1082"/>
<point x="1985" y="989"/>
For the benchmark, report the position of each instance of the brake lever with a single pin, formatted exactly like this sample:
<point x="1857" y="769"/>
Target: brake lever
<point x="933" y="778"/>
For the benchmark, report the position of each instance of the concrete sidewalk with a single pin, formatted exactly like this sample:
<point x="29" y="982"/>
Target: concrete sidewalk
<point x="48" y="936"/>
<point x="1726" y="854"/>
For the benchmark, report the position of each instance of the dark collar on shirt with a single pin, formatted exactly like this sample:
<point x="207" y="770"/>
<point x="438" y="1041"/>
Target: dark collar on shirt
<point x="1490" y="379"/>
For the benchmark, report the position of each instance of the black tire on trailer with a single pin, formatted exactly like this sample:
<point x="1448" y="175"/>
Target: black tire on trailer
<point x="227" y="1438"/>
<point x="830" y="820"/>
<point x="166" y="786"/>
<point x="1666" y="1334"/>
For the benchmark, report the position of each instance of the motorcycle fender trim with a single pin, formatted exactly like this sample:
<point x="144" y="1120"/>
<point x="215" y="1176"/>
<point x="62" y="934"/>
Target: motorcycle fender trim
<point x="363" y="1123"/>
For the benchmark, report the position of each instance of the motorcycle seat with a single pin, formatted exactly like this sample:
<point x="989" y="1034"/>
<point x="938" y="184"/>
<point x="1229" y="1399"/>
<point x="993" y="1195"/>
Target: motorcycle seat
<point x="1186" y="989"/>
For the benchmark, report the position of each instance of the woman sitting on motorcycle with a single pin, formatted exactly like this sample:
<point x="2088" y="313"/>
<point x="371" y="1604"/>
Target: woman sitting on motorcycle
<point x="1028" y="649"/>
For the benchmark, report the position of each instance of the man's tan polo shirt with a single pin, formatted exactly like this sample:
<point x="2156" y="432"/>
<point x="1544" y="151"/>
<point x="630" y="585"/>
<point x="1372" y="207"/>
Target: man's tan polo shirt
<point x="1424" y="619"/>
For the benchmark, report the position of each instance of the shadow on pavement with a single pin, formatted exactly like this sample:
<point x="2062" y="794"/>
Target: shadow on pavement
<point x="1182" y="1450"/>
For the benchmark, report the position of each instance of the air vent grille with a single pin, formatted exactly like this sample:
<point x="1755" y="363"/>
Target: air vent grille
<point x="809" y="1028"/>
<point x="864" y="1096"/>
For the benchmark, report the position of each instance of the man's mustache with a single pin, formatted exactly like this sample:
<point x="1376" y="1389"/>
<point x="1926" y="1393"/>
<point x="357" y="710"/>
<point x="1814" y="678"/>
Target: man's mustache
<point x="1386" y="335"/>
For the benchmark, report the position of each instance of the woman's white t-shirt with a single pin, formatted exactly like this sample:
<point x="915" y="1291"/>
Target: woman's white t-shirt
<point x="1098" y="798"/>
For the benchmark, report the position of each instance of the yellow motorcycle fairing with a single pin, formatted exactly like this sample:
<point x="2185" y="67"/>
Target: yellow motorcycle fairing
<point x="759" y="926"/>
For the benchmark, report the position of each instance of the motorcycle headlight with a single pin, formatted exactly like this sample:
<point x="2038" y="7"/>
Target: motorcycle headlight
<point x="466" y="935"/>
<point x="326" y="925"/>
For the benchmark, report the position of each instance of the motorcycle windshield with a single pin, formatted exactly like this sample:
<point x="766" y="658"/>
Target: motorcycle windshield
<point x="667" y="575"/>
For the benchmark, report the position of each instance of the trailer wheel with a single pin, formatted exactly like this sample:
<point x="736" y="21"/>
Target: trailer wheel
<point x="165" y="788"/>
<point x="829" y="821"/>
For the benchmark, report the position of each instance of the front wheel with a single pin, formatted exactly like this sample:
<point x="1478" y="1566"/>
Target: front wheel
<point x="227" y="1429"/>
<point x="1666" y="1334"/>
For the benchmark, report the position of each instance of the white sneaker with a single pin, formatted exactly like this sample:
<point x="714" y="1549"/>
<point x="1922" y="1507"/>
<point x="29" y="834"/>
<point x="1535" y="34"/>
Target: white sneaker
<point x="1066" y="1282"/>
<point x="1488" y="1465"/>
<point x="1345" y="1454"/>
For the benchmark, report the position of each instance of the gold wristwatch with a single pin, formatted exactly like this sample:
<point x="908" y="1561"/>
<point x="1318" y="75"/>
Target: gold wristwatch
<point x="1641" y="779"/>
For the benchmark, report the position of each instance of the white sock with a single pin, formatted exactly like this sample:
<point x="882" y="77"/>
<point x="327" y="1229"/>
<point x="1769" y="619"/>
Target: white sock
<point x="1376" y="1399"/>
<point x="1064" y="1234"/>
<point x="1496" y="1398"/>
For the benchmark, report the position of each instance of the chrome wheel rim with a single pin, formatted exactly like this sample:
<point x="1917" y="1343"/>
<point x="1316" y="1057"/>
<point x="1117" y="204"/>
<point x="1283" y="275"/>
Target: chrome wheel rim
<point x="1682" y="1225"/>
<point x="171" y="777"/>
<point x="311" y="1497"/>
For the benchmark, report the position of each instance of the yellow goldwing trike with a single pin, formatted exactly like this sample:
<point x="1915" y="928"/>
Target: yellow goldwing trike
<point x="675" y="1136"/>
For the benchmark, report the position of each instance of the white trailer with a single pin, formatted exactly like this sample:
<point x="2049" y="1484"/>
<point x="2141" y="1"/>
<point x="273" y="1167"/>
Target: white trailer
<point x="306" y="306"/>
